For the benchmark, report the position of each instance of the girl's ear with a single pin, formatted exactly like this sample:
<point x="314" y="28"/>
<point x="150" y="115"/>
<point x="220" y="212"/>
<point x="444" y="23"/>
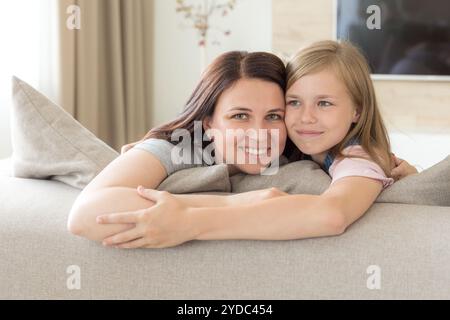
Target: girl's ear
<point x="356" y="115"/>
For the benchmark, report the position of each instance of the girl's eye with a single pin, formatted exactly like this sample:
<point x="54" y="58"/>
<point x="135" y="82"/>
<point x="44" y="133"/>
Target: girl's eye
<point x="324" y="103"/>
<point x="294" y="103"/>
<point x="274" y="117"/>
<point x="240" y="116"/>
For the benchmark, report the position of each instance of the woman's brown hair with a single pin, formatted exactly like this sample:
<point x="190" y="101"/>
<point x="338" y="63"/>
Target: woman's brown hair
<point x="220" y="75"/>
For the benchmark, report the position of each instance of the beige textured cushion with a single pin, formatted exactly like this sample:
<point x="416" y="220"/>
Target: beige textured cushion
<point x="48" y="143"/>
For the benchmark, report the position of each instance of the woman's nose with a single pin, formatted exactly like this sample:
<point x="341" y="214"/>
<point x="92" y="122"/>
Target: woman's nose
<point x="259" y="130"/>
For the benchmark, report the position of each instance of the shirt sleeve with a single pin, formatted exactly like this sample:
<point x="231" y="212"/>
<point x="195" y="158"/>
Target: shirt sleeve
<point x="358" y="167"/>
<point x="162" y="149"/>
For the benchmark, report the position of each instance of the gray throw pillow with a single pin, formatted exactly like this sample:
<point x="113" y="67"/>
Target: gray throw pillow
<point x="48" y="143"/>
<point x="430" y="187"/>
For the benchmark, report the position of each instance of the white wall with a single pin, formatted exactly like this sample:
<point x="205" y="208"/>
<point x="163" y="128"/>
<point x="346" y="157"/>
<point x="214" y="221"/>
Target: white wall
<point x="23" y="37"/>
<point x="177" y="56"/>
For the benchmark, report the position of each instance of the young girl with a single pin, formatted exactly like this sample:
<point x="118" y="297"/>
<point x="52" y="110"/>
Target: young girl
<point x="331" y="115"/>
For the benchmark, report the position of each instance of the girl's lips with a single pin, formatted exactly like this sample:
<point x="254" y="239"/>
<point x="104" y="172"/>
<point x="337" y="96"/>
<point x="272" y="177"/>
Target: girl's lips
<point x="308" y="134"/>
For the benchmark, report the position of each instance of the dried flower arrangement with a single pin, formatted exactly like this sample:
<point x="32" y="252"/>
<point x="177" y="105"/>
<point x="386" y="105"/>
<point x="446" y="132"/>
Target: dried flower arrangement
<point x="200" y="16"/>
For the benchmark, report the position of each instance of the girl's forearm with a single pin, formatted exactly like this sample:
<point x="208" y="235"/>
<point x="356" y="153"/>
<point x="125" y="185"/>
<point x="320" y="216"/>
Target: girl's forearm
<point x="282" y="218"/>
<point x="210" y="201"/>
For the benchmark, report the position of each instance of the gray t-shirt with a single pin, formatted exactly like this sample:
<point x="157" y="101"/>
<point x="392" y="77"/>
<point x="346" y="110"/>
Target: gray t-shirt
<point x="175" y="158"/>
<point x="178" y="159"/>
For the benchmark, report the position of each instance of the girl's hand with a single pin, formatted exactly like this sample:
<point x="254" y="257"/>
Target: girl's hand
<point x="166" y="224"/>
<point x="402" y="169"/>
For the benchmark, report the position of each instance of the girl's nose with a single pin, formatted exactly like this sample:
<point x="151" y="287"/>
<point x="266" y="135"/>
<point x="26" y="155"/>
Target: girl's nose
<point x="308" y="115"/>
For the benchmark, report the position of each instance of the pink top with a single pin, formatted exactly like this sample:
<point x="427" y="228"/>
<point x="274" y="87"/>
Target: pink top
<point x="346" y="167"/>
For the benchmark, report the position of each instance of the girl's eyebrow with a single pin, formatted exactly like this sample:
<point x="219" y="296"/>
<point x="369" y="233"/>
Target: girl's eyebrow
<point x="322" y="96"/>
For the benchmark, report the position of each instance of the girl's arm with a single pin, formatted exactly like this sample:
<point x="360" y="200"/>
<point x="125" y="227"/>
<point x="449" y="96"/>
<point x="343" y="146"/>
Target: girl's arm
<point x="290" y="217"/>
<point x="198" y="200"/>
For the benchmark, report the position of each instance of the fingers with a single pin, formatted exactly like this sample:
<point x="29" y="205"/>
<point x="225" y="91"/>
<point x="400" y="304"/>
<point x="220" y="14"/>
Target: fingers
<point x="123" y="237"/>
<point x="395" y="175"/>
<point x="398" y="161"/>
<point x="125" y="148"/>
<point x="123" y="217"/>
<point x="151" y="194"/>
<point x="138" y="243"/>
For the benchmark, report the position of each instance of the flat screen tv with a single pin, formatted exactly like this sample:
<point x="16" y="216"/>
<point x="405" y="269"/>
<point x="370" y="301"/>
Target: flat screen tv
<point x="402" y="39"/>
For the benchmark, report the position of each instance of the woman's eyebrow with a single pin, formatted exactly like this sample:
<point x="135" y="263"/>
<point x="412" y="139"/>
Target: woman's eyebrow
<point x="292" y="96"/>
<point x="240" y="109"/>
<point x="276" y="110"/>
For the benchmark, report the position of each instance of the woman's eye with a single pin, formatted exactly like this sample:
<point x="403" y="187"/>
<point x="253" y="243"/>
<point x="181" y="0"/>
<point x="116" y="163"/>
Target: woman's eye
<point x="274" y="117"/>
<point x="240" y="116"/>
<point x="294" y="103"/>
<point x="325" y="103"/>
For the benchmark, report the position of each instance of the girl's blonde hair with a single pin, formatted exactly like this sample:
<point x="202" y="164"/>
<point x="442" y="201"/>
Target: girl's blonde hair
<point x="351" y="67"/>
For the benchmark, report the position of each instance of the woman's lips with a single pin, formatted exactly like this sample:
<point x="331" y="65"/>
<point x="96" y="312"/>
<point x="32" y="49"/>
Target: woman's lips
<point x="255" y="151"/>
<point x="308" y="133"/>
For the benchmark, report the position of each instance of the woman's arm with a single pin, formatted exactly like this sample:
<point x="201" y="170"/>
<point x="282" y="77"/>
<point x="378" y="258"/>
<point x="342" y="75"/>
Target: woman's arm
<point x="170" y="222"/>
<point x="113" y="189"/>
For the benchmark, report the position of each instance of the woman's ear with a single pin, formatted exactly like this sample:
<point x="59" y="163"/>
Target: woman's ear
<point x="207" y="125"/>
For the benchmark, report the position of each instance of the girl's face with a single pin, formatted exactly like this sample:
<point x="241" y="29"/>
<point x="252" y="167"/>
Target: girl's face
<point x="252" y="112"/>
<point x="319" y="113"/>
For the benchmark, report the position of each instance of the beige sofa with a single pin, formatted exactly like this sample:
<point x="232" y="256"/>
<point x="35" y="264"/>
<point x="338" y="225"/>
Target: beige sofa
<point x="396" y="251"/>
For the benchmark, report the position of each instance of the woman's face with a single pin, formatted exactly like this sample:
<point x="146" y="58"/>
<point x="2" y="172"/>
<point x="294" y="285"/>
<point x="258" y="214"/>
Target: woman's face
<point x="248" y="125"/>
<point x="319" y="113"/>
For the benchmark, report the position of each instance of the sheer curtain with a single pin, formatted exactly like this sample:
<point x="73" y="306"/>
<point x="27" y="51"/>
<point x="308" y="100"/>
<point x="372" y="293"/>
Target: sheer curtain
<point x="29" y="43"/>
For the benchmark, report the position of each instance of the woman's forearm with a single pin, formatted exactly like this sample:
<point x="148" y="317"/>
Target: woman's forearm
<point x="90" y="205"/>
<point x="282" y="218"/>
<point x="82" y="218"/>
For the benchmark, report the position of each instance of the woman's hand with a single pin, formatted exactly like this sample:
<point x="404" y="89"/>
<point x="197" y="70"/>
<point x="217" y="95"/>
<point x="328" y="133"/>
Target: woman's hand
<point x="127" y="147"/>
<point x="402" y="169"/>
<point x="166" y="224"/>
